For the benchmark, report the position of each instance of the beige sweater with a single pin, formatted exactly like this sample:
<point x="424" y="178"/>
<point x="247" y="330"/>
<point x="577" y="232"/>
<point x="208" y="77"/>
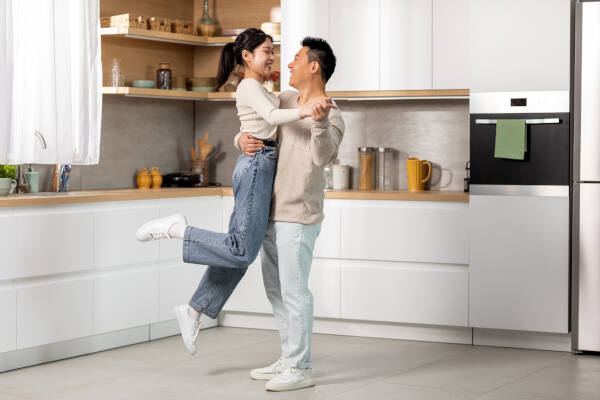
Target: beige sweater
<point x="305" y="147"/>
<point x="259" y="111"/>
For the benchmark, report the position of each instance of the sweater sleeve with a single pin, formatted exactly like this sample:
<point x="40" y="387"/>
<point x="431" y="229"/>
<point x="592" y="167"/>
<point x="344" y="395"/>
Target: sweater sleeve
<point x="253" y="95"/>
<point x="326" y="137"/>
<point x="236" y="141"/>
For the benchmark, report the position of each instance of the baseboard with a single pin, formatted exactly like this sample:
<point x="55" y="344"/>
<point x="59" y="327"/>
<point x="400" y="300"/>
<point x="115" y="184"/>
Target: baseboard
<point x="91" y="344"/>
<point x="356" y="328"/>
<point x="522" y="340"/>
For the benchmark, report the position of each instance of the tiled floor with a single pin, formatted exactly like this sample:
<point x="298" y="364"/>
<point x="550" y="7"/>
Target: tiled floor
<point x="345" y="367"/>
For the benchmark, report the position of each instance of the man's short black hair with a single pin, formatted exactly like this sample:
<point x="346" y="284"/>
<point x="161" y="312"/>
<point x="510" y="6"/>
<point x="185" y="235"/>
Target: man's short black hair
<point x="320" y="51"/>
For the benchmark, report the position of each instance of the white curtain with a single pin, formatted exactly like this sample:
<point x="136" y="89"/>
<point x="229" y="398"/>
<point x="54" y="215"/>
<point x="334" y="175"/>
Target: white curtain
<point x="50" y="81"/>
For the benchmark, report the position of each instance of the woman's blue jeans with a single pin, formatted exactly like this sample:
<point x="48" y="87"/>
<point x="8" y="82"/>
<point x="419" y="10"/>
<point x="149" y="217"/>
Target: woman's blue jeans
<point x="228" y="255"/>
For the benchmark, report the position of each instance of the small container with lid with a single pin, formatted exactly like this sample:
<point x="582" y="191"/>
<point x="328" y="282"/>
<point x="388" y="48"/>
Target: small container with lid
<point x="383" y="164"/>
<point x="366" y="157"/>
<point x="164" y="75"/>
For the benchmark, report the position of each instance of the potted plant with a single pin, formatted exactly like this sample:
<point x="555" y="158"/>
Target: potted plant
<point x="7" y="177"/>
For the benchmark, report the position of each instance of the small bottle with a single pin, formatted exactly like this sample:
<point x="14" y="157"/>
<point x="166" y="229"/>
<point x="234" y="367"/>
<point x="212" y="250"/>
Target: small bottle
<point x="116" y="73"/>
<point x="206" y="27"/>
<point x="164" y="75"/>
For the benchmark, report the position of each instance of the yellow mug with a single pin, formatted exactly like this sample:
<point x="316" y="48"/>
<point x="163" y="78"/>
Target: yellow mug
<point x="415" y="170"/>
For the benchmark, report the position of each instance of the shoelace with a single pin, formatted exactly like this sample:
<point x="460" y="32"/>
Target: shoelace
<point x="289" y="371"/>
<point x="160" y="235"/>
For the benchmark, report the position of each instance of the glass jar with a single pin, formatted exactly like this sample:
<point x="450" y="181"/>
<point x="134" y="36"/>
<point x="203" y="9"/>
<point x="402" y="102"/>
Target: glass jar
<point x="383" y="166"/>
<point x="328" y="175"/>
<point x="164" y="76"/>
<point x="366" y="156"/>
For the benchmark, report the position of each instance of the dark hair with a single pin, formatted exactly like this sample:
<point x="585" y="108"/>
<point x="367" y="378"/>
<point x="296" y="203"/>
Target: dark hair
<point x="231" y="55"/>
<point x="320" y="51"/>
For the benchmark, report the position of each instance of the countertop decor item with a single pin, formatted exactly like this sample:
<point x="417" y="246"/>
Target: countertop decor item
<point x="164" y="75"/>
<point x="157" y="178"/>
<point x="341" y="176"/>
<point x="417" y="174"/>
<point x="140" y="83"/>
<point x="206" y="26"/>
<point x="144" y="180"/>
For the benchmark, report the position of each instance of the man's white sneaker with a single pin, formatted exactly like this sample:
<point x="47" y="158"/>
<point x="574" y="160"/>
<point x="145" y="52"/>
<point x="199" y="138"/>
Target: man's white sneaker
<point x="270" y="372"/>
<point x="291" y="379"/>
<point x="188" y="327"/>
<point x="159" y="228"/>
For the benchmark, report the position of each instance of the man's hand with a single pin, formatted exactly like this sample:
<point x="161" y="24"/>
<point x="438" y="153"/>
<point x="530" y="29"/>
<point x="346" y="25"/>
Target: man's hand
<point x="249" y="144"/>
<point x="321" y="109"/>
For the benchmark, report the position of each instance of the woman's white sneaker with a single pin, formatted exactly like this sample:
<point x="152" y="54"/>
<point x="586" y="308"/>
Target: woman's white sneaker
<point x="291" y="379"/>
<point x="159" y="228"/>
<point x="188" y="327"/>
<point x="270" y="372"/>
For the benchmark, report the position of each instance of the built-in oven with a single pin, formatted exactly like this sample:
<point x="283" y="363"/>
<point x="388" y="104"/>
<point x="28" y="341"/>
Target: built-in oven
<point x="519" y="209"/>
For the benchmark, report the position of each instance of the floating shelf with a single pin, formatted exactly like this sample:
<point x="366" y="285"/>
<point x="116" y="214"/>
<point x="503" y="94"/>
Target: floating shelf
<point x="160" y="36"/>
<point x="221" y="96"/>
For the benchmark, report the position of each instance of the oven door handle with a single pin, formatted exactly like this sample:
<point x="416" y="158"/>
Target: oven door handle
<point x="527" y="121"/>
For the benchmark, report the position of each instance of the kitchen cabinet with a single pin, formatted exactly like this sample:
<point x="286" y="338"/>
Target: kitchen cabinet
<point x="354" y="38"/>
<point x="519" y="45"/>
<point x="125" y="300"/>
<point x="450" y="44"/>
<point x="177" y="283"/>
<point x="8" y="244"/>
<point x="52" y="242"/>
<point x="8" y="313"/>
<point x="424" y="231"/>
<point x="519" y="263"/>
<point x="409" y="293"/>
<point x="54" y="312"/>
<point x="405" y="42"/>
<point x="328" y="242"/>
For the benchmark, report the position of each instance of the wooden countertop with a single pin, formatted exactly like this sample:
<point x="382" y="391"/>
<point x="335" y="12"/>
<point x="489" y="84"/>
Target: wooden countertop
<point x="91" y="196"/>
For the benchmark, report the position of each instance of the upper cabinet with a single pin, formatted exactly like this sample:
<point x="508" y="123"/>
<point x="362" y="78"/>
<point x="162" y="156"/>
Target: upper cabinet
<point x="519" y="45"/>
<point x="405" y="30"/>
<point x="450" y="44"/>
<point x="383" y="44"/>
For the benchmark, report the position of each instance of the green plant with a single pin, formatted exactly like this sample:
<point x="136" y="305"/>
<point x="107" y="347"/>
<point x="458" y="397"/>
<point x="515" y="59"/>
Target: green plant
<point x="8" y="171"/>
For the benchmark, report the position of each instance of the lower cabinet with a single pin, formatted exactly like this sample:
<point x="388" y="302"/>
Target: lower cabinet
<point x="409" y="293"/>
<point x="178" y="282"/>
<point x="8" y="312"/>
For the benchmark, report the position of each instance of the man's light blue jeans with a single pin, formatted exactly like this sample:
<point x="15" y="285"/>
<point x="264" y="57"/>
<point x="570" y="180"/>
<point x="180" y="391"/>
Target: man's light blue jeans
<point x="228" y="255"/>
<point x="286" y="258"/>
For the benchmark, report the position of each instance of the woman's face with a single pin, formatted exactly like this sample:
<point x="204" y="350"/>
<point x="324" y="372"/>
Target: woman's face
<point x="260" y="61"/>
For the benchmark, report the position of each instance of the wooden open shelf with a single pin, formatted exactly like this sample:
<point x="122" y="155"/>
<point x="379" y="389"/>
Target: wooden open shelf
<point x="373" y="95"/>
<point x="160" y="36"/>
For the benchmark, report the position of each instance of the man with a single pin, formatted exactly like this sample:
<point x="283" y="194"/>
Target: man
<point x="296" y="212"/>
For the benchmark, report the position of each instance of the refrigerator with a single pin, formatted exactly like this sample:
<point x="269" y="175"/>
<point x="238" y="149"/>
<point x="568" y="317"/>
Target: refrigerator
<point x="585" y="277"/>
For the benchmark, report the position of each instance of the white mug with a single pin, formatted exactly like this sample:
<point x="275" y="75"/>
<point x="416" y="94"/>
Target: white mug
<point x="7" y="186"/>
<point x="341" y="177"/>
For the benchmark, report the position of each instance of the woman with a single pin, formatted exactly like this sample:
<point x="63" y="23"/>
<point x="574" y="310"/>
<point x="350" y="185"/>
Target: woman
<point x="252" y="183"/>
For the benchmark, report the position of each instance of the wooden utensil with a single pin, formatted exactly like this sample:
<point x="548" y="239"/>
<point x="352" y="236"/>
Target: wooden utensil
<point x="193" y="152"/>
<point x="205" y="150"/>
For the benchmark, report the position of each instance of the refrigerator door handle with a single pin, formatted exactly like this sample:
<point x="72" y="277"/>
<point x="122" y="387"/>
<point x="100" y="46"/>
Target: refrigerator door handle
<point x="527" y="121"/>
<point x="520" y="190"/>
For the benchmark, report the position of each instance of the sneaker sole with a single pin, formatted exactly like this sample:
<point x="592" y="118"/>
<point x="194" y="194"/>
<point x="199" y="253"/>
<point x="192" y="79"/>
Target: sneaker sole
<point x="180" y="323"/>
<point x="300" y="385"/>
<point x="259" y="376"/>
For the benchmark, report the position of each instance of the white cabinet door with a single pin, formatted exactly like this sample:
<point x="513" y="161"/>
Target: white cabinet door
<point x="423" y="231"/>
<point x="324" y="283"/>
<point x="519" y="45"/>
<point x="328" y="241"/>
<point x="8" y="316"/>
<point x="8" y="245"/>
<point x="519" y="267"/>
<point x="300" y="19"/>
<point x="178" y="283"/>
<point x="53" y="241"/>
<point x="54" y="312"/>
<point x="114" y="236"/>
<point x="450" y="44"/>
<point x="405" y="49"/>
<point x="354" y="39"/>
<point x="249" y="295"/>
<point x="408" y="293"/>
<point x="201" y="212"/>
<point x="125" y="300"/>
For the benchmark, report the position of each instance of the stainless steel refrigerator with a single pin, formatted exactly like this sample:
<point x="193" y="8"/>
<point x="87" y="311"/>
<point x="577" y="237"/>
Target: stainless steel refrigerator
<point x="585" y="276"/>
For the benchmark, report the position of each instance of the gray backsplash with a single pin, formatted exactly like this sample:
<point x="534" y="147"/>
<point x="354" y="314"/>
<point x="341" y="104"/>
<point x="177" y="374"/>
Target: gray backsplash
<point x="140" y="133"/>
<point x="435" y="130"/>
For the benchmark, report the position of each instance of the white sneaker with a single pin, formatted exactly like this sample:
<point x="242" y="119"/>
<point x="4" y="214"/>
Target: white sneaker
<point x="159" y="228"/>
<point x="270" y="372"/>
<point x="188" y="327"/>
<point x="291" y="379"/>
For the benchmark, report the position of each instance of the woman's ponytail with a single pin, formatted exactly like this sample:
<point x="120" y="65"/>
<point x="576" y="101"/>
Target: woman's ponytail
<point x="226" y="65"/>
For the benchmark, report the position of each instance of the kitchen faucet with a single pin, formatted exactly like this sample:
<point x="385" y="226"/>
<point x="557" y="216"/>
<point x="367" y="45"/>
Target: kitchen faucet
<point x="21" y="184"/>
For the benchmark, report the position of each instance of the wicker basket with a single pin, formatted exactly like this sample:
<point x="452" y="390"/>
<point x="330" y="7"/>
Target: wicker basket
<point x="160" y="24"/>
<point x="125" y="20"/>
<point x="183" y="26"/>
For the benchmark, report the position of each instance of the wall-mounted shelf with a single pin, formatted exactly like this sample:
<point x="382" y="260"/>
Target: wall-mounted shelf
<point x="221" y="96"/>
<point x="160" y="36"/>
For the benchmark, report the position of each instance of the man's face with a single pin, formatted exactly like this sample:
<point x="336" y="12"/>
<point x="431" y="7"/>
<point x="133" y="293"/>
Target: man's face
<point x="300" y="68"/>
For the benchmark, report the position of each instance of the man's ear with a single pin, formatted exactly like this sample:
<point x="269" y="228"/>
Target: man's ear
<point x="315" y="68"/>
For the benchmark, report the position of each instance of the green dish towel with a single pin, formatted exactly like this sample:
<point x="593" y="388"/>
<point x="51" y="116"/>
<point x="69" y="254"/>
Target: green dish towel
<point x="511" y="139"/>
